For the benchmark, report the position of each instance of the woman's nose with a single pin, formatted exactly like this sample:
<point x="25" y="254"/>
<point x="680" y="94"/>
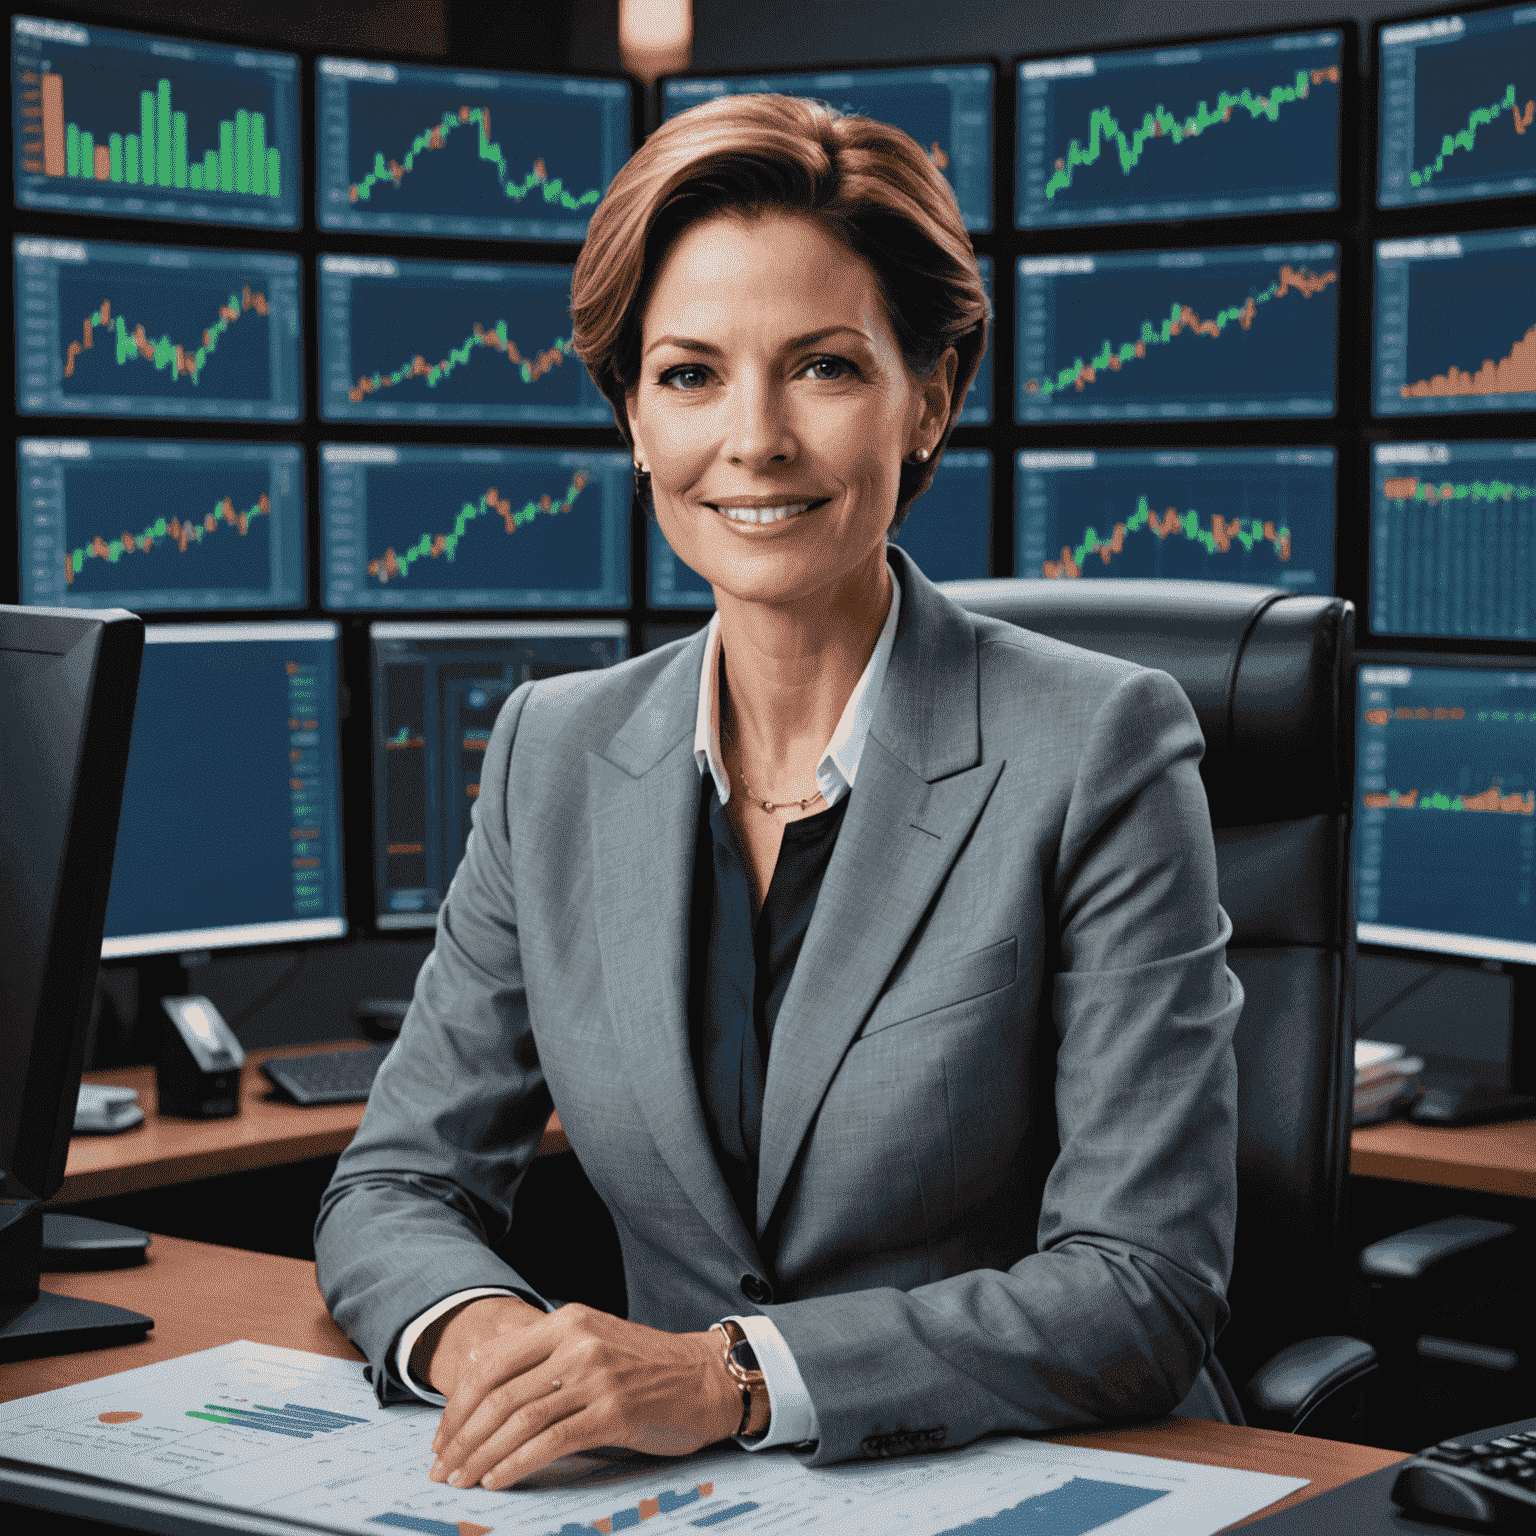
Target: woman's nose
<point x="759" y="429"/>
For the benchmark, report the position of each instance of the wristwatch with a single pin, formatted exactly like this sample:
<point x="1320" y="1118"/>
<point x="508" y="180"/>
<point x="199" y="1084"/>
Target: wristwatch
<point x="741" y="1366"/>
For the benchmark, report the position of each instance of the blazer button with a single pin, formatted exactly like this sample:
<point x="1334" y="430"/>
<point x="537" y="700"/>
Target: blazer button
<point x="757" y="1291"/>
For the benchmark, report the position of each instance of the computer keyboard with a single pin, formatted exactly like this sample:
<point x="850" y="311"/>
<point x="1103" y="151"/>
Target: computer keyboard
<point x="1486" y="1479"/>
<point x="327" y="1077"/>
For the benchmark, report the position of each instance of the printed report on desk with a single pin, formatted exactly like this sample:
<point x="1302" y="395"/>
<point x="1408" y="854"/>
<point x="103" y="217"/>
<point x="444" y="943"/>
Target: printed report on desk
<point x="294" y="1441"/>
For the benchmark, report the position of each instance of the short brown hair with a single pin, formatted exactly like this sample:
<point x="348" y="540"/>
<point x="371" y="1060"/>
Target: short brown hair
<point x="866" y="183"/>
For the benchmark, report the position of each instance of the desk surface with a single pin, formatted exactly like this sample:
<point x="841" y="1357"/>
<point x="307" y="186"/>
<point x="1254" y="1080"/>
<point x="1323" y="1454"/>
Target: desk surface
<point x="1497" y="1159"/>
<point x="201" y="1296"/>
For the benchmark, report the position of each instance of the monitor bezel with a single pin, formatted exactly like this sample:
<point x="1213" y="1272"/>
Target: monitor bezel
<point x="132" y="947"/>
<point x="1337" y="218"/>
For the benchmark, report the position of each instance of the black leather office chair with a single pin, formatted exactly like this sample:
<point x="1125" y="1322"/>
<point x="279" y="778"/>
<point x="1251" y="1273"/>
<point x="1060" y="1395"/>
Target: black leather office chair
<point x="1269" y="677"/>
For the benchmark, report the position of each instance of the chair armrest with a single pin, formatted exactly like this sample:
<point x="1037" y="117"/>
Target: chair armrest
<point x="1413" y="1254"/>
<point x="1310" y="1380"/>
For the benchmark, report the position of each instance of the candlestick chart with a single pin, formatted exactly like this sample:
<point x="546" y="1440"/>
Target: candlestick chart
<point x="1445" y="832"/>
<point x="155" y="525"/>
<point x="436" y="341"/>
<point x="1458" y="109"/>
<point x="438" y="689"/>
<point x="113" y="330"/>
<point x="1245" y="515"/>
<point x="1453" y="540"/>
<point x="947" y="110"/>
<point x="1166" y="334"/>
<point x="1233" y="127"/>
<point x="1456" y="327"/>
<point x="471" y="528"/>
<point x="106" y="127"/>
<point x="430" y="151"/>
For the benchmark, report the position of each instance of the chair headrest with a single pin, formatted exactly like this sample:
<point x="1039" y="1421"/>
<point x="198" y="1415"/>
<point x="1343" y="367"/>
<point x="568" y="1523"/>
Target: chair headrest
<point x="1266" y="671"/>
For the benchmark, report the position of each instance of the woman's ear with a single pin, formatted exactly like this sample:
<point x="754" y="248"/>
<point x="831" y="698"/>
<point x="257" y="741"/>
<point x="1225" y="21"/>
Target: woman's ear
<point x="938" y="394"/>
<point x="638" y="451"/>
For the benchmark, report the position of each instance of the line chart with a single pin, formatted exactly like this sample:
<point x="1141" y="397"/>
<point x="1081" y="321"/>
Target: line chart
<point x="1218" y="539"/>
<point x="393" y="172"/>
<point x="1181" y="318"/>
<point x="531" y="370"/>
<point x="183" y="534"/>
<point x="391" y="566"/>
<point x="1466" y="138"/>
<point x="1104" y="128"/>
<point x="164" y="353"/>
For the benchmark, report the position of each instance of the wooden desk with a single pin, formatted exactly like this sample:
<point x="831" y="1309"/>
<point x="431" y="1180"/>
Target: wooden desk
<point x="267" y="1132"/>
<point x="1497" y="1159"/>
<point x="201" y="1296"/>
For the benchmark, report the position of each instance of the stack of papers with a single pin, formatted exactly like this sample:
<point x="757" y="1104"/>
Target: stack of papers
<point x="1386" y="1078"/>
<point x="258" y="1439"/>
<point x="100" y="1108"/>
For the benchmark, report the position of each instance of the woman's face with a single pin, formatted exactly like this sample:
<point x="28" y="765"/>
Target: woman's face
<point x="774" y="408"/>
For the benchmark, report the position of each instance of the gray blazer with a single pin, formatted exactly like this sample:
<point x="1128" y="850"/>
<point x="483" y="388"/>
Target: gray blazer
<point x="997" y="1183"/>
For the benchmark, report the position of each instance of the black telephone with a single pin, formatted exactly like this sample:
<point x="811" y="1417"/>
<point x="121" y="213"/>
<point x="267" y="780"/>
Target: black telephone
<point x="1485" y="1479"/>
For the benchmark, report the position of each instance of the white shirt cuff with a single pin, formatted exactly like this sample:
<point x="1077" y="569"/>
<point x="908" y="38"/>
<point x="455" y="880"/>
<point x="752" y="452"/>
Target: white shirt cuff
<point x="791" y="1413"/>
<point x="414" y="1331"/>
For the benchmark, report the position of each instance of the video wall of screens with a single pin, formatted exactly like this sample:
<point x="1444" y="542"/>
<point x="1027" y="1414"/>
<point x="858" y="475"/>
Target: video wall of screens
<point x="1445" y="809"/>
<point x="1453" y="540"/>
<point x="1259" y="515"/>
<point x="947" y="109"/>
<point x="1228" y="331"/>
<point x="231" y="824"/>
<point x="1456" y="108"/>
<point x="456" y="528"/>
<point x="1245" y="126"/>
<point x="417" y="150"/>
<point x="451" y="341"/>
<point x="112" y="122"/>
<point x="151" y="524"/>
<point x="437" y="689"/>
<point x="1456" y="323"/>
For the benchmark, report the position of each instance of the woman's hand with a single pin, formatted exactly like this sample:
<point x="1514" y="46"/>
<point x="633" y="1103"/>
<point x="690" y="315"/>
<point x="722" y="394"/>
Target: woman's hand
<point x="524" y="1391"/>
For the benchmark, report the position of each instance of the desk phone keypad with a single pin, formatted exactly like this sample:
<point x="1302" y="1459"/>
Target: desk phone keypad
<point x="1488" y="1482"/>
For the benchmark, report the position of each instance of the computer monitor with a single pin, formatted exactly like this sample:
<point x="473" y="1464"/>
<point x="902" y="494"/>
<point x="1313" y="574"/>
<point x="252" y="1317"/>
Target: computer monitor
<point x="407" y="527"/>
<point x="1260" y="515"/>
<point x="1453" y="540"/>
<point x="410" y="149"/>
<point x="67" y="685"/>
<point x="1455" y="324"/>
<point x="1456" y="113"/>
<point x="162" y="331"/>
<point x="947" y="108"/>
<point x="437" y="690"/>
<point x="451" y="341"/>
<point x="231" y="830"/>
<point x="1445" y="819"/>
<point x="1197" y="130"/>
<point x="128" y="125"/>
<point x="1215" y="334"/>
<point x="159" y="524"/>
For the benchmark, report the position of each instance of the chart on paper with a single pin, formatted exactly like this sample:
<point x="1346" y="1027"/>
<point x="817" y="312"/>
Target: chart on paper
<point x="285" y="1434"/>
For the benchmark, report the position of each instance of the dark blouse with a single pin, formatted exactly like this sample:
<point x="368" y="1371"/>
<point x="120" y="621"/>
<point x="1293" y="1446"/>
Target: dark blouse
<point x="739" y="968"/>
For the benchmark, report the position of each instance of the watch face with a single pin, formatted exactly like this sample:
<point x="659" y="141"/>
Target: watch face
<point x="743" y="1355"/>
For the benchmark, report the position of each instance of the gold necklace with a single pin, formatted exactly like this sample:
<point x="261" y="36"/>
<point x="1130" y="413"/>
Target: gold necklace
<point x="728" y="738"/>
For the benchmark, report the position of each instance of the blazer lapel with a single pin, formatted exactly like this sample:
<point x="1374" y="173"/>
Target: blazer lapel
<point x="921" y="787"/>
<point x="644" y="796"/>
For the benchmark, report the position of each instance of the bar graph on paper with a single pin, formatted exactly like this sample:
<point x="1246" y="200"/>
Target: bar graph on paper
<point x="121" y="123"/>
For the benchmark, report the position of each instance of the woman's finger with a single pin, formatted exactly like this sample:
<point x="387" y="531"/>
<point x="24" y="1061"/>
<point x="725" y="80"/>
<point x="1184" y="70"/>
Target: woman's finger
<point x="499" y="1406"/>
<point x="509" y="1439"/>
<point x="498" y="1361"/>
<point x="567" y="1436"/>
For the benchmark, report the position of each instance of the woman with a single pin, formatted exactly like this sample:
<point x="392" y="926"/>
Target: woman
<point x="869" y="951"/>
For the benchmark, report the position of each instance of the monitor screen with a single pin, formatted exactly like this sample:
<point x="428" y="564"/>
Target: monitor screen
<point x="1458" y="95"/>
<point x="231" y="825"/>
<point x="499" y="338"/>
<point x="437" y="689"/>
<point x="413" y="150"/>
<point x="1456" y="323"/>
<point x="1246" y="125"/>
<point x="133" y="126"/>
<point x="948" y="533"/>
<point x="474" y="527"/>
<point x="141" y="330"/>
<point x="1156" y="335"/>
<point x="1453" y="540"/>
<point x="1445" y="814"/>
<point x="947" y="108"/>
<point x="126" y="523"/>
<point x="1262" y="515"/>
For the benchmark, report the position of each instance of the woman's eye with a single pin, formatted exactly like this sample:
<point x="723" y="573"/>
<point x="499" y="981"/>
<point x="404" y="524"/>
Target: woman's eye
<point x="829" y="368"/>
<point x="687" y="377"/>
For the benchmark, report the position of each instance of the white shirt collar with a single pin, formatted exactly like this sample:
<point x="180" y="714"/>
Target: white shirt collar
<point x="839" y="764"/>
